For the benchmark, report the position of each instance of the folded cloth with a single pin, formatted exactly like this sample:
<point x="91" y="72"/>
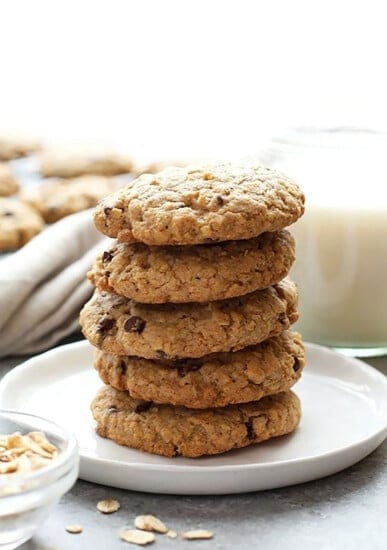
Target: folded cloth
<point x="43" y="286"/>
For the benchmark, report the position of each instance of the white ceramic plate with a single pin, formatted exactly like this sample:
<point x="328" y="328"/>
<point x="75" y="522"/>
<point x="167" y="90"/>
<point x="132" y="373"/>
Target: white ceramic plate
<point x="344" y="419"/>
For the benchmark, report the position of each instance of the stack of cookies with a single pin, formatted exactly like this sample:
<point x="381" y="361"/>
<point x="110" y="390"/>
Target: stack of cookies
<point x="192" y="311"/>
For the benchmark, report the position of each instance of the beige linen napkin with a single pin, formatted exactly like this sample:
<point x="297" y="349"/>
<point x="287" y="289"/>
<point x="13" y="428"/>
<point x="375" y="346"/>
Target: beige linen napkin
<point x="43" y="286"/>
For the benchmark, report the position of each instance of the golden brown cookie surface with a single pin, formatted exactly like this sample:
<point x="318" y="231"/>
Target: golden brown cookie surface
<point x="178" y="431"/>
<point x="185" y="206"/>
<point x="213" y="381"/>
<point x="156" y="331"/>
<point x="200" y="273"/>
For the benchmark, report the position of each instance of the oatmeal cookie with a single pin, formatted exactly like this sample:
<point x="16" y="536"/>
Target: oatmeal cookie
<point x="121" y="326"/>
<point x="201" y="273"/>
<point x="186" y="206"/>
<point x="178" y="431"/>
<point x="215" y="380"/>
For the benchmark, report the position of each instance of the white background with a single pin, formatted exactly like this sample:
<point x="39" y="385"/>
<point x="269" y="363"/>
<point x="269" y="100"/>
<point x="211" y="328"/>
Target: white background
<point x="189" y="78"/>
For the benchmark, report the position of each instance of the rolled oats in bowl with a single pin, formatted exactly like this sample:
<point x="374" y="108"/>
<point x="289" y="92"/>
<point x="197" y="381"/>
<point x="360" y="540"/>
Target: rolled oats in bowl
<point x="38" y="464"/>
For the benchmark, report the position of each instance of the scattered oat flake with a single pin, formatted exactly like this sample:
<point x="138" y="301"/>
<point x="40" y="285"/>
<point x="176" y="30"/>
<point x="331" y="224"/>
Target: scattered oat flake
<point x="171" y="534"/>
<point x="197" y="534"/>
<point x="137" y="537"/>
<point x="108" y="506"/>
<point x="74" y="529"/>
<point x="150" y="523"/>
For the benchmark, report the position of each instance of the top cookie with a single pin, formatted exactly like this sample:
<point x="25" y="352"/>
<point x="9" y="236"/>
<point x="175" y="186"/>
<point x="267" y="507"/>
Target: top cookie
<point x="200" y="205"/>
<point x="8" y="183"/>
<point x="67" y="164"/>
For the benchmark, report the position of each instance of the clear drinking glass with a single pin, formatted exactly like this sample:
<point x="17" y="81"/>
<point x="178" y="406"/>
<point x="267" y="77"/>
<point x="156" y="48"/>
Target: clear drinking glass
<point x="341" y="265"/>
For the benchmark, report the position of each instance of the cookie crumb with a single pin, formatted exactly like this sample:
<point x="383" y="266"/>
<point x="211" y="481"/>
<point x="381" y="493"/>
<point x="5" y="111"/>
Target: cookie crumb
<point x="171" y="534"/>
<point x="198" y="534"/>
<point x="74" y="529"/>
<point x="137" y="537"/>
<point x="108" y="506"/>
<point x="150" y="523"/>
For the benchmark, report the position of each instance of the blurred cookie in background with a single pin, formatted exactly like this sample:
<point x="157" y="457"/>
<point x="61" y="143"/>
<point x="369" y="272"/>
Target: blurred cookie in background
<point x="12" y="147"/>
<point x="18" y="224"/>
<point x="61" y="197"/>
<point x="8" y="183"/>
<point x="71" y="164"/>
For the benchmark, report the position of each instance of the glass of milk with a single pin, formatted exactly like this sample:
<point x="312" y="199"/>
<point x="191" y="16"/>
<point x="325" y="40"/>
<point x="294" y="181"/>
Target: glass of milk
<point x="341" y="266"/>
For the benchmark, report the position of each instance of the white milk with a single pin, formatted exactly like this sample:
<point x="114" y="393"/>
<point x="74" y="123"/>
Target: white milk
<point x="341" y="244"/>
<point x="341" y="270"/>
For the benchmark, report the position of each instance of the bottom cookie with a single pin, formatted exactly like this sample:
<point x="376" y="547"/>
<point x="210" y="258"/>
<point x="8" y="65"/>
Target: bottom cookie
<point x="177" y="431"/>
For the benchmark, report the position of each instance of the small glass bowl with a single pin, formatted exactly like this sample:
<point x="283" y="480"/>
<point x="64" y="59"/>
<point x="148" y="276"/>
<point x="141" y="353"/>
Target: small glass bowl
<point x="27" y="499"/>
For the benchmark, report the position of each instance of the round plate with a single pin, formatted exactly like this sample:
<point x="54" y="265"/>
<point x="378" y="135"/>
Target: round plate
<point x="344" y="419"/>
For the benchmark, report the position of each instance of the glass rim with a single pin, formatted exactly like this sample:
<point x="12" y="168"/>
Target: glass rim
<point x="330" y="137"/>
<point x="38" y="477"/>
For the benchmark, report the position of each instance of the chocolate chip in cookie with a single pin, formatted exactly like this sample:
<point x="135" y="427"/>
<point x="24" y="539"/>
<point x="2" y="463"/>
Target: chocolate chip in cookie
<point x="107" y="256"/>
<point x="187" y="365"/>
<point x="142" y="407"/>
<point x="250" y="429"/>
<point x="134" y="324"/>
<point x="296" y="364"/>
<point x="106" y="324"/>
